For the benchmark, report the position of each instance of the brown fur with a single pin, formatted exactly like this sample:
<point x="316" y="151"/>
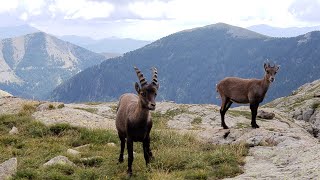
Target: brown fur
<point x="133" y="120"/>
<point x="245" y="91"/>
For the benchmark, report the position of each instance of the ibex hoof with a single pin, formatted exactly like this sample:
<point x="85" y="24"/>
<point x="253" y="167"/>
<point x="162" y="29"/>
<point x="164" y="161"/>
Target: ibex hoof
<point x="254" y="126"/>
<point x="152" y="158"/>
<point x="120" y="160"/>
<point x="129" y="173"/>
<point x="225" y="127"/>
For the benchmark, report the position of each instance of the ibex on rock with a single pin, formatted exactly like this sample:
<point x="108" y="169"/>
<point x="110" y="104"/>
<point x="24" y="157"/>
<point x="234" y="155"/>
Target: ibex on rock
<point x="133" y="119"/>
<point x="245" y="91"/>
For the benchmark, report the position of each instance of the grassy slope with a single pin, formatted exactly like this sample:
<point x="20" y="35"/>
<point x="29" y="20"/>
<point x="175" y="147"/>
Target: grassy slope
<point x="176" y="156"/>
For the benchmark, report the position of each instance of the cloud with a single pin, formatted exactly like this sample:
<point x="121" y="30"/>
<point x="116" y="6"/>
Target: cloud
<point x="34" y="7"/>
<point x="24" y="16"/>
<point x="307" y="10"/>
<point x="152" y="19"/>
<point x="146" y="10"/>
<point x="81" y="9"/>
<point x="7" y="6"/>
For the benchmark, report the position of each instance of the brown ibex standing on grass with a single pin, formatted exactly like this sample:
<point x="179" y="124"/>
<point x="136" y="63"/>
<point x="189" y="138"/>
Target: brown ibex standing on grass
<point x="133" y="119"/>
<point x="244" y="91"/>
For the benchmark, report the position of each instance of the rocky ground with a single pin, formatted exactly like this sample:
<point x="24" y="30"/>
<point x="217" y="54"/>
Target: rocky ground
<point x="285" y="147"/>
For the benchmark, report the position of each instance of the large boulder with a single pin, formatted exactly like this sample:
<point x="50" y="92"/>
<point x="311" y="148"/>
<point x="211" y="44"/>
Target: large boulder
<point x="265" y="115"/>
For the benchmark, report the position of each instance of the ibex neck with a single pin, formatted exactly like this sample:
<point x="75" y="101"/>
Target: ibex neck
<point x="141" y="113"/>
<point x="265" y="83"/>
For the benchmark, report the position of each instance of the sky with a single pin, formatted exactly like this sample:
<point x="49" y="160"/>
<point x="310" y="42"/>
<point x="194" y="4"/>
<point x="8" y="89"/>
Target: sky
<point x="153" y="19"/>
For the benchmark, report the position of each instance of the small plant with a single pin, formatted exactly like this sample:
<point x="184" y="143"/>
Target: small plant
<point x="114" y="108"/>
<point x="315" y="105"/>
<point x="51" y="107"/>
<point x="60" y="106"/>
<point x="197" y="120"/>
<point x="60" y="129"/>
<point x="92" y="161"/>
<point x="37" y="129"/>
<point x="27" y="109"/>
<point x="26" y="174"/>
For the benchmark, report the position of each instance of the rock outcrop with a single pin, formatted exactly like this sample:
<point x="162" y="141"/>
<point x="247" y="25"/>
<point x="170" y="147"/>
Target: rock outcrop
<point x="8" y="168"/>
<point x="4" y="94"/>
<point x="59" y="160"/>
<point x="303" y="106"/>
<point x="14" y="130"/>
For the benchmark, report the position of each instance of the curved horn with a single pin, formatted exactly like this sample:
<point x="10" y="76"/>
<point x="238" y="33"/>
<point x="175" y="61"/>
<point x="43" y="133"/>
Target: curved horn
<point x="155" y="76"/>
<point x="142" y="80"/>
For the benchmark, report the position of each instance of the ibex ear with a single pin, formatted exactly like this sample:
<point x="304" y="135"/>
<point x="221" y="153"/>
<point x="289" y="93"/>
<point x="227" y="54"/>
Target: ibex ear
<point x="278" y="67"/>
<point x="137" y="87"/>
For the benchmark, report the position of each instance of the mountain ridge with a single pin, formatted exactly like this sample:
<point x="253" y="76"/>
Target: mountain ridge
<point x="190" y="63"/>
<point x="282" y="32"/>
<point x="33" y="64"/>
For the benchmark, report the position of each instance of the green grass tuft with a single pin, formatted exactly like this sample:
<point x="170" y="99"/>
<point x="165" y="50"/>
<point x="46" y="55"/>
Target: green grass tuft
<point x="315" y="105"/>
<point x="60" y="129"/>
<point x="37" y="129"/>
<point x="28" y="109"/>
<point x="51" y="107"/>
<point x="60" y="106"/>
<point x="197" y="120"/>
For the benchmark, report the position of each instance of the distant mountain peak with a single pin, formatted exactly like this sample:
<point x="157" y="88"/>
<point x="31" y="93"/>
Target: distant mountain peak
<point x="234" y="31"/>
<point x="15" y="31"/>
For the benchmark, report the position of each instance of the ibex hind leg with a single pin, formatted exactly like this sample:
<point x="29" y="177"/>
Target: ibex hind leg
<point x="123" y="143"/>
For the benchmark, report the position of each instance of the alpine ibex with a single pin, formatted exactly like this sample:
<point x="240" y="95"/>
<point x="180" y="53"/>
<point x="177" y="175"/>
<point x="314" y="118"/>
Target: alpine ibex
<point x="133" y="119"/>
<point x="244" y="91"/>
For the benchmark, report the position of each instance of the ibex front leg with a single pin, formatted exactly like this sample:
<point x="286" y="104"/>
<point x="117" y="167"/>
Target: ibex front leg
<point x="254" y="110"/>
<point x="146" y="145"/>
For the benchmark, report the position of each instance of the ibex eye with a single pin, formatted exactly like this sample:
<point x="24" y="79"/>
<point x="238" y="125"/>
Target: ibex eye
<point x="143" y="94"/>
<point x="155" y="94"/>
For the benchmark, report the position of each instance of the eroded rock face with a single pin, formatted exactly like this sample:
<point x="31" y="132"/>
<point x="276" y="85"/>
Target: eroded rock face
<point x="303" y="105"/>
<point x="8" y="168"/>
